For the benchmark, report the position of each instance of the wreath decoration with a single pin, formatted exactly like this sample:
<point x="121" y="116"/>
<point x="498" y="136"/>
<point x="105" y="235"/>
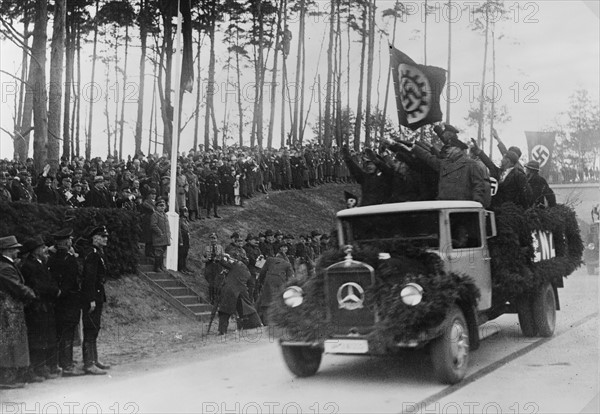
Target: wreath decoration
<point x="396" y="321"/>
<point x="514" y="274"/>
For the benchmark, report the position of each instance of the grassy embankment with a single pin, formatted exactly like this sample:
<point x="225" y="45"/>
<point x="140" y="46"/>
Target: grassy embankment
<point x="137" y="323"/>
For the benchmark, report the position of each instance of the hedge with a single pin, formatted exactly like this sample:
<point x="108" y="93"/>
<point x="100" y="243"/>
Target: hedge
<point x="25" y="220"/>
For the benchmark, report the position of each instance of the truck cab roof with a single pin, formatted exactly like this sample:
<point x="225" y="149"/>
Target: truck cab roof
<point x="408" y="206"/>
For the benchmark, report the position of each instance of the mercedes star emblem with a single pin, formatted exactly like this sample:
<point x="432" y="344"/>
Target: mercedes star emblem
<point x="350" y="296"/>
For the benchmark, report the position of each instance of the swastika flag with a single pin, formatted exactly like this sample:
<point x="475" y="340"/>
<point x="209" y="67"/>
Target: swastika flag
<point x="541" y="147"/>
<point x="418" y="89"/>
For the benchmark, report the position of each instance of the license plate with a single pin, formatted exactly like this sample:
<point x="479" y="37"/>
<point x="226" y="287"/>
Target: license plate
<point x="346" y="346"/>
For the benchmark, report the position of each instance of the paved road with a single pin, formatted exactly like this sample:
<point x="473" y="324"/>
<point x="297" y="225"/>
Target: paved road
<point x="508" y="374"/>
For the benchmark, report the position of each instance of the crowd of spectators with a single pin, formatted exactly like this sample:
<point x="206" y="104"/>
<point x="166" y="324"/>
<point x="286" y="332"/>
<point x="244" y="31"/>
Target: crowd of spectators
<point x="205" y="179"/>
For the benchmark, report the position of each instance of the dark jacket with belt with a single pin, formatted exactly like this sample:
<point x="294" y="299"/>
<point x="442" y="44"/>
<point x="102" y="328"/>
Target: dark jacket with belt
<point x="94" y="276"/>
<point x="41" y="321"/>
<point x="514" y="188"/>
<point x="65" y="271"/>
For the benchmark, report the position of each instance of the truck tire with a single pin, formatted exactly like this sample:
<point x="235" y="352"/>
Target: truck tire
<point x="525" y="312"/>
<point x="543" y="309"/>
<point x="450" y="351"/>
<point x="303" y="361"/>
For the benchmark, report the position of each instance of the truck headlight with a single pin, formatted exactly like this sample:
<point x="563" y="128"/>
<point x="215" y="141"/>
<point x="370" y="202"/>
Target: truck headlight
<point x="293" y="296"/>
<point x="412" y="294"/>
<point x="591" y="246"/>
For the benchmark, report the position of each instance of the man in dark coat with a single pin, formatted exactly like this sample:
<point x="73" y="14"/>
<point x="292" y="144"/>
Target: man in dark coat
<point x="513" y="185"/>
<point x="212" y="268"/>
<point x="94" y="297"/>
<point x="254" y="256"/>
<point x="461" y="178"/>
<point x="98" y="195"/>
<point x="375" y="180"/>
<point x="542" y="194"/>
<point x="212" y="192"/>
<point x="40" y="316"/>
<point x="276" y="271"/>
<point x="64" y="268"/>
<point x="14" y="295"/>
<point x="235" y="298"/>
<point x="266" y="247"/>
<point x="46" y="194"/>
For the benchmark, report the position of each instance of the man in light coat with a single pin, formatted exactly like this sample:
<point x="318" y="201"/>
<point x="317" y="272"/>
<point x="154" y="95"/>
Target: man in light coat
<point x="14" y="295"/>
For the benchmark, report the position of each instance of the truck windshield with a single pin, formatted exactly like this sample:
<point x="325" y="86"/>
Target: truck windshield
<point x="419" y="228"/>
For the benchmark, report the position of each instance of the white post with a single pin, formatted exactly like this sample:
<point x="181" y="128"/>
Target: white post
<point x="173" y="249"/>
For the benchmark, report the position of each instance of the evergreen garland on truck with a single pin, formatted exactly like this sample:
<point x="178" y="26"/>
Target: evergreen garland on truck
<point x="25" y="220"/>
<point x="397" y="321"/>
<point x="513" y="274"/>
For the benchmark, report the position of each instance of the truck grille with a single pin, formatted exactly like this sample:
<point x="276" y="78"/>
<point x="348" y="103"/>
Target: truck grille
<point x="346" y="283"/>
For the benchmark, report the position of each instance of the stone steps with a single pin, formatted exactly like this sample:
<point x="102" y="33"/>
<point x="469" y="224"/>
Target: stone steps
<point x="175" y="291"/>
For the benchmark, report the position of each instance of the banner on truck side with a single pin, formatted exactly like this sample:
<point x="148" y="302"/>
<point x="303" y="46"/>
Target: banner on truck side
<point x="543" y="245"/>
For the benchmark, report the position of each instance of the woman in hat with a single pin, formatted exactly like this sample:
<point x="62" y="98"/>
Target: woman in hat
<point x="14" y="295"/>
<point x="40" y="317"/>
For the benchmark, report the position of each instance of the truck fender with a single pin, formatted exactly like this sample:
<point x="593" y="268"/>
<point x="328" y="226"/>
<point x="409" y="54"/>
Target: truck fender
<point x="471" y="317"/>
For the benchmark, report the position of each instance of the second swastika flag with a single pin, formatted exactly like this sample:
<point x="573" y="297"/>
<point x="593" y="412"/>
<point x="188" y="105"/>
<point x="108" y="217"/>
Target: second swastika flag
<point x="418" y="89"/>
<point x="541" y="147"/>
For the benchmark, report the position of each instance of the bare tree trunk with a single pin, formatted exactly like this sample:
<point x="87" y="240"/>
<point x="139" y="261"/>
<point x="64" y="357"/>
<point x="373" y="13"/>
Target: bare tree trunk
<point x="358" y="122"/>
<point x="481" y="95"/>
<point x="70" y="36"/>
<point x="140" y="106"/>
<point x="493" y="107"/>
<point x="327" y="137"/>
<point x="303" y="70"/>
<point x="225" y="128"/>
<point x="239" y="90"/>
<point x="370" y="72"/>
<point x="78" y="93"/>
<point x="57" y="55"/>
<point x="166" y="106"/>
<point x="38" y="81"/>
<point x="152" y="108"/>
<point x="25" y="111"/>
<point x="280" y="11"/>
<point x="198" y="94"/>
<point x="338" y="116"/>
<point x="298" y="85"/>
<point x="283" y="100"/>
<point x="261" y="80"/>
<point x="124" y="97"/>
<point x="88" y="145"/>
<point x="210" y="87"/>
<point x="389" y="74"/>
<point x="108" y="126"/>
<point x="449" y="71"/>
<point x="116" y="123"/>
<point x="320" y="137"/>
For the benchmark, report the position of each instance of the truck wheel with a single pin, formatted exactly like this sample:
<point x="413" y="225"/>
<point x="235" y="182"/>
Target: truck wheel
<point x="591" y="269"/>
<point x="450" y="352"/>
<point x="525" y="312"/>
<point x="543" y="309"/>
<point x="303" y="361"/>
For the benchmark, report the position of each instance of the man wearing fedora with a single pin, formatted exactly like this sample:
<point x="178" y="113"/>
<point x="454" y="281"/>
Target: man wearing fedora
<point x="94" y="297"/>
<point x="14" y="295"/>
<point x="65" y="270"/>
<point x="542" y="194"/>
<point x="39" y="315"/>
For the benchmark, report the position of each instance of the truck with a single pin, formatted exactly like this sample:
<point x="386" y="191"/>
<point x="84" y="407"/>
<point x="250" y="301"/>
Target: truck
<point x="413" y="275"/>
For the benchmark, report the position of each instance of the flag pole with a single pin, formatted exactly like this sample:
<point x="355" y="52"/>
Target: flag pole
<point x="173" y="217"/>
